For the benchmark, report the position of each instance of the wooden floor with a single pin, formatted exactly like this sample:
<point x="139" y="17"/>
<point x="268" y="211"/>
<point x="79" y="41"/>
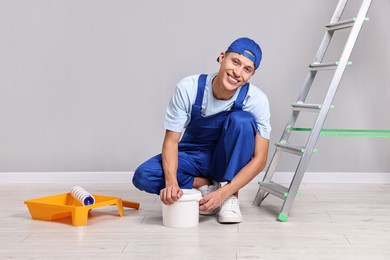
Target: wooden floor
<point x="328" y="221"/>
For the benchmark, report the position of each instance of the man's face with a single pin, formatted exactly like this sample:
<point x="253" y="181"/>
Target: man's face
<point x="235" y="70"/>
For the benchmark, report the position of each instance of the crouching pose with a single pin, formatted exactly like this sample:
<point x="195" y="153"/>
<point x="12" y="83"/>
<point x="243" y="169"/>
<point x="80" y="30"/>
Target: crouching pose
<point x="226" y="124"/>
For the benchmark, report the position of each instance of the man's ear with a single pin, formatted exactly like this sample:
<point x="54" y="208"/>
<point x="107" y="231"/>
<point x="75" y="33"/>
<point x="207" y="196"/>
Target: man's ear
<point x="221" y="57"/>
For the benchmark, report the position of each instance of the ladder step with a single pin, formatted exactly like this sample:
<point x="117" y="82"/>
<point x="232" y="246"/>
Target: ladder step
<point x="300" y="106"/>
<point x="274" y="188"/>
<point x="342" y="24"/>
<point x="292" y="148"/>
<point x="306" y="107"/>
<point x="325" y="65"/>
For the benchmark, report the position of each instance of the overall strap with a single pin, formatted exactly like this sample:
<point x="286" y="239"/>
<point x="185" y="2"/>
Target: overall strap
<point x="241" y="97"/>
<point x="201" y="87"/>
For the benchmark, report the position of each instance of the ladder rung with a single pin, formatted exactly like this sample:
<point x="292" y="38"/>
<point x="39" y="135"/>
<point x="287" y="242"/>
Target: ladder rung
<point x="274" y="188"/>
<point x="326" y="65"/>
<point x="295" y="149"/>
<point x="323" y="66"/>
<point x="342" y="24"/>
<point x="308" y="107"/>
<point x="292" y="148"/>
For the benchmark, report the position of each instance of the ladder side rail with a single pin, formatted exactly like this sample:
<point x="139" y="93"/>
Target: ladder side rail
<point x="259" y="197"/>
<point x="338" y="12"/>
<point x="325" y="42"/>
<point x="268" y="176"/>
<point x="307" y="85"/>
<point x="302" y="166"/>
<point x="328" y="35"/>
<point x="338" y="74"/>
<point x="272" y="166"/>
<point x="318" y="58"/>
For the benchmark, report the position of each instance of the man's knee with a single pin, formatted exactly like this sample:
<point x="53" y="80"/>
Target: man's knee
<point x="149" y="176"/>
<point x="241" y="120"/>
<point x="145" y="180"/>
<point x="139" y="179"/>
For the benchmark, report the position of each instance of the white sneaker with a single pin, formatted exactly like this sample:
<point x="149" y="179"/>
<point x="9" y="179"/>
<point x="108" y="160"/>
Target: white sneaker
<point x="206" y="189"/>
<point x="230" y="211"/>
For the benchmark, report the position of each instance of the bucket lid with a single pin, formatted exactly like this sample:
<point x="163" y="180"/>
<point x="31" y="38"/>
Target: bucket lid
<point x="190" y="194"/>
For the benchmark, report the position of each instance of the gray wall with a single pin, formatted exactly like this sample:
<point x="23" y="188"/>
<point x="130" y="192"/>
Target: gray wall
<point x="84" y="84"/>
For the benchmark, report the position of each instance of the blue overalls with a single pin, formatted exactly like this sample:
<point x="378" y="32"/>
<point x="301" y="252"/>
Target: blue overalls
<point x="216" y="147"/>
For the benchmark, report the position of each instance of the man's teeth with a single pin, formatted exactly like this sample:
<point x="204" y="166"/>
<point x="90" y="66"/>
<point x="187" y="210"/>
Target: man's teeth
<point x="233" y="79"/>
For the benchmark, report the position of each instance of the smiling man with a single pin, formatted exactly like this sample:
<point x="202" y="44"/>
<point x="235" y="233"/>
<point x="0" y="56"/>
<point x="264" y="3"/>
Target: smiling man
<point x="226" y="125"/>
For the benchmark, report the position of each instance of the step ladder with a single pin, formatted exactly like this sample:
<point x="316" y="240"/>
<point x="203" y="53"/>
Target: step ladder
<point x="288" y="194"/>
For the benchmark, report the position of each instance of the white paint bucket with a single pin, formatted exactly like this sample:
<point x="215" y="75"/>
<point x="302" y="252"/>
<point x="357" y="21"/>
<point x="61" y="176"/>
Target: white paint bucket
<point x="184" y="212"/>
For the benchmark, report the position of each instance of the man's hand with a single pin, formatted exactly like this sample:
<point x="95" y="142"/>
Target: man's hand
<point x="170" y="194"/>
<point x="211" y="201"/>
<point x="172" y="191"/>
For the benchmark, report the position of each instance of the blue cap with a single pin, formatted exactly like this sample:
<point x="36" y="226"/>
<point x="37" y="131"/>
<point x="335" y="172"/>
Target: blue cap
<point x="248" y="48"/>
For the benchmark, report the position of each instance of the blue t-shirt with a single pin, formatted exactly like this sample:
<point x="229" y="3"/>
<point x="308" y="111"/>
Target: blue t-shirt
<point x="178" y="113"/>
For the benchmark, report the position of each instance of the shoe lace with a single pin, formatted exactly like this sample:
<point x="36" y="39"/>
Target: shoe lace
<point x="231" y="204"/>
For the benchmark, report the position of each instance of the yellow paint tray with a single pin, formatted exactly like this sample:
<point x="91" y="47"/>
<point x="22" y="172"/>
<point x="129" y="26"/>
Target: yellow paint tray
<point x="64" y="205"/>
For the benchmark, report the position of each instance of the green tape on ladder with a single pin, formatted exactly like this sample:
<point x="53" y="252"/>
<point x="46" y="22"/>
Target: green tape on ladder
<point x="348" y="63"/>
<point x="304" y="150"/>
<point x="297" y="194"/>
<point x="331" y="106"/>
<point x="365" y="19"/>
<point x="347" y="132"/>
